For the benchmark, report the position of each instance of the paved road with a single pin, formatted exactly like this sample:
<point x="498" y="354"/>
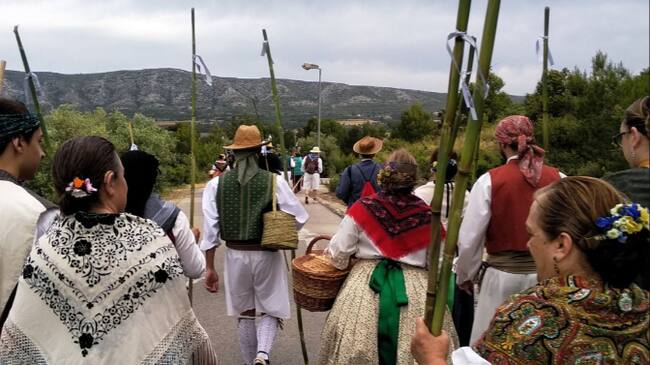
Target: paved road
<point x="211" y="308"/>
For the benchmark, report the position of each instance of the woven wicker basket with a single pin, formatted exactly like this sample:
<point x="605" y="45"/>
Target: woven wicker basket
<point x="279" y="228"/>
<point x="316" y="282"/>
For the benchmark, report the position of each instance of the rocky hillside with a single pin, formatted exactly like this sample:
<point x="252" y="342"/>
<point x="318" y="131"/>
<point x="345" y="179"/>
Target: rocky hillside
<point x="165" y="95"/>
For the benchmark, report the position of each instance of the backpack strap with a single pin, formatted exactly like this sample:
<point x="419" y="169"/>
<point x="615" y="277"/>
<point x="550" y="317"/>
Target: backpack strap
<point x="365" y="179"/>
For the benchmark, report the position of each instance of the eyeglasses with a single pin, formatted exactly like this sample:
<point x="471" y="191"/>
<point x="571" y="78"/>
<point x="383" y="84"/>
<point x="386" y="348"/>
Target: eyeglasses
<point x="618" y="138"/>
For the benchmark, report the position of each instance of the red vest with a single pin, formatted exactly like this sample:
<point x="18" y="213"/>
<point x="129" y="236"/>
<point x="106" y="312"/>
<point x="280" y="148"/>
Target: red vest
<point x="512" y="197"/>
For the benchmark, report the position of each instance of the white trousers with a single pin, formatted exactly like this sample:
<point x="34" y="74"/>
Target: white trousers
<point x="496" y="287"/>
<point x="256" y="279"/>
<point x="311" y="181"/>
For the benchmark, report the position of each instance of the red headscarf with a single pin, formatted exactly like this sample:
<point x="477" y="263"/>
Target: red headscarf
<point x="517" y="129"/>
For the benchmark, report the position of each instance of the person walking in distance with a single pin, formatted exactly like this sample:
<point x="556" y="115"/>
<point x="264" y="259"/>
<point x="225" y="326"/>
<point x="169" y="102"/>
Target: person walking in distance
<point x="360" y="179"/>
<point x="312" y="167"/>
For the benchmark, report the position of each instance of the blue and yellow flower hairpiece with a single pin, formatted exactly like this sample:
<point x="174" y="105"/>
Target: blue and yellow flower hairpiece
<point x="623" y="221"/>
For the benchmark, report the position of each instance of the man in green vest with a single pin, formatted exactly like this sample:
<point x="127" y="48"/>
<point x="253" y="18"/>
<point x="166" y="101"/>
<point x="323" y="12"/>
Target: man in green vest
<point x="255" y="278"/>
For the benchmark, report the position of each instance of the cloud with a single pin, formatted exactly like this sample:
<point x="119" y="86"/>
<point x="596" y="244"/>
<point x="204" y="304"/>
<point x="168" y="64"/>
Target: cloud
<point x="358" y="42"/>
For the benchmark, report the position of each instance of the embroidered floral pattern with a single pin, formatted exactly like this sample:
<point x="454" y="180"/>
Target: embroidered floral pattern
<point x="569" y="321"/>
<point x="125" y="246"/>
<point x="398" y="214"/>
<point x="89" y="328"/>
<point x="112" y="239"/>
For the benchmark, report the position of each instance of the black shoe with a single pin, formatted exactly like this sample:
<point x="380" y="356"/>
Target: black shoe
<point x="260" y="361"/>
<point x="306" y="200"/>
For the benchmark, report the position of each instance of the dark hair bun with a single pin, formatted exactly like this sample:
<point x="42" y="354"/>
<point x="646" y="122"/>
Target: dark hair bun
<point x="620" y="264"/>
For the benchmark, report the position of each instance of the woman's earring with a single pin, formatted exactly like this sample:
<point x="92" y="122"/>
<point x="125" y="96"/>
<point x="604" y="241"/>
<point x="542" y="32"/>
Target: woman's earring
<point x="556" y="267"/>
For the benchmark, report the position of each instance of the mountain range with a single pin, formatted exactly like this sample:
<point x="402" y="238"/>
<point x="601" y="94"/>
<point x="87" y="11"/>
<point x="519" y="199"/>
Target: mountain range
<point x="165" y="94"/>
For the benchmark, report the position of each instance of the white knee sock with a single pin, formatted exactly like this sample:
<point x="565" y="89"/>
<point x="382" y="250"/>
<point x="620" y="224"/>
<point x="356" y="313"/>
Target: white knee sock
<point x="247" y="338"/>
<point x="267" y="329"/>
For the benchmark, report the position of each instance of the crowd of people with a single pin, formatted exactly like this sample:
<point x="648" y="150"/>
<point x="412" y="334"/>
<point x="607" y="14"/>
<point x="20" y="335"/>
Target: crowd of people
<point x="559" y="266"/>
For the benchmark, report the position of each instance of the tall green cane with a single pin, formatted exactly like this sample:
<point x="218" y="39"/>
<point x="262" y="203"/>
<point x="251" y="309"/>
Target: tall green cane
<point x="472" y="133"/>
<point x="32" y="88"/>
<point x="192" y="152"/>
<point x="443" y="156"/>
<point x="278" y="125"/>
<point x="3" y="64"/>
<point x="545" y="126"/>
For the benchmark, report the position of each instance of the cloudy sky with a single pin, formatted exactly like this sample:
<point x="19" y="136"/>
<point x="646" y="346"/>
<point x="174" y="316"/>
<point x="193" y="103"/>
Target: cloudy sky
<point x="379" y="42"/>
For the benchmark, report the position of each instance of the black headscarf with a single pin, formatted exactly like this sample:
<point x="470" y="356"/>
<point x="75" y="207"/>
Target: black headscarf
<point x="140" y="172"/>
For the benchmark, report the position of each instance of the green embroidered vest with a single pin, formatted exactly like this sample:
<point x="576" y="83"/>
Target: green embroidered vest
<point x="241" y="208"/>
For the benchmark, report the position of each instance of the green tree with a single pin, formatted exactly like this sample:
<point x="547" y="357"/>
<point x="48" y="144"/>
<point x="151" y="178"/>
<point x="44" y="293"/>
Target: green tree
<point x="415" y="124"/>
<point x="586" y="110"/>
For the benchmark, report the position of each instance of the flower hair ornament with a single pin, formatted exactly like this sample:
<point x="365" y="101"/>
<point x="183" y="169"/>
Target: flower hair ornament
<point x="624" y="220"/>
<point x="80" y="188"/>
<point x="395" y="175"/>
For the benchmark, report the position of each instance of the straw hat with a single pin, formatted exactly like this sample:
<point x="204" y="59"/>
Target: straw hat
<point x="246" y="136"/>
<point x="368" y="145"/>
<point x="315" y="150"/>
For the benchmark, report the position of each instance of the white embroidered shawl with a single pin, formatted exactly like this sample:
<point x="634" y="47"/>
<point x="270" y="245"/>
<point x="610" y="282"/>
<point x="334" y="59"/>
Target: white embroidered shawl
<point x="103" y="289"/>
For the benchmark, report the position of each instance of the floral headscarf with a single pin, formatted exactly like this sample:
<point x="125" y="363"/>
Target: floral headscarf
<point x="517" y="129"/>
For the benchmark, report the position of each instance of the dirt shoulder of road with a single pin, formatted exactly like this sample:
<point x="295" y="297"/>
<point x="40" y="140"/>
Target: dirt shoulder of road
<point x="174" y="195"/>
<point x="331" y="202"/>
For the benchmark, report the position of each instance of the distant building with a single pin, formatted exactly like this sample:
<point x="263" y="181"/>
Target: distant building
<point x="355" y="122"/>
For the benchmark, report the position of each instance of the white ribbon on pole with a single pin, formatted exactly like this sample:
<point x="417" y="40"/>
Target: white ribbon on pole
<point x="265" y="50"/>
<point x="467" y="96"/>
<point x="208" y="76"/>
<point x="27" y="89"/>
<point x="540" y="56"/>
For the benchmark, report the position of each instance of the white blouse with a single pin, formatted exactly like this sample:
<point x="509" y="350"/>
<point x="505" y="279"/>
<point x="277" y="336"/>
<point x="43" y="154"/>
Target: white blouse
<point x="350" y="239"/>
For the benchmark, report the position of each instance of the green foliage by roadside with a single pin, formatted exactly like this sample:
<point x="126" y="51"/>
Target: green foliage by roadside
<point x="585" y="110"/>
<point x="66" y="122"/>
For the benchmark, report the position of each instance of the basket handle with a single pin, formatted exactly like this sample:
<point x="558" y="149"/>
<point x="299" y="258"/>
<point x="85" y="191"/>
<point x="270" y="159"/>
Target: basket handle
<point x="314" y="240"/>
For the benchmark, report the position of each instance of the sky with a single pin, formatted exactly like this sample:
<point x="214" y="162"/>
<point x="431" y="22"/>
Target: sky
<point x="379" y="43"/>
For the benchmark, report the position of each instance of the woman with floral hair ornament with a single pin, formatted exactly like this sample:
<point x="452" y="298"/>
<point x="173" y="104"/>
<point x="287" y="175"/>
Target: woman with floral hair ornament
<point x="589" y="245"/>
<point x="372" y="320"/>
<point x="101" y="286"/>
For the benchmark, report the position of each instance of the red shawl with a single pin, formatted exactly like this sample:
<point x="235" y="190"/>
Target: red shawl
<point x="397" y="224"/>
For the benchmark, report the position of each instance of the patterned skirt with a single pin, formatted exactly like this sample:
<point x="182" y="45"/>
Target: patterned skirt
<point x="350" y="332"/>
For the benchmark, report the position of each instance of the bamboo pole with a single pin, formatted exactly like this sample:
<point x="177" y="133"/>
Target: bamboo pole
<point x="443" y="156"/>
<point x="283" y="153"/>
<point x="130" y="127"/>
<point x="545" y="127"/>
<point x="32" y="88"/>
<point x="3" y="64"/>
<point x="192" y="147"/>
<point x="471" y="134"/>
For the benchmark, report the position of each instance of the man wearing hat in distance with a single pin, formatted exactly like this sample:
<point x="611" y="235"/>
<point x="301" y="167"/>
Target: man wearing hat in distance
<point x="20" y="155"/>
<point x="312" y="167"/>
<point x="360" y="179"/>
<point x="255" y="278"/>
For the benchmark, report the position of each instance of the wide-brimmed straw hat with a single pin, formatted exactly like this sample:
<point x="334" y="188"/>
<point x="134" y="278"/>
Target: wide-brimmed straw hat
<point x="315" y="150"/>
<point x="246" y="136"/>
<point x="368" y="145"/>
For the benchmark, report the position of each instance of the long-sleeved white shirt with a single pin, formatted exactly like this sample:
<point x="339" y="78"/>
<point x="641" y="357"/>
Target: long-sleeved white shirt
<point x="471" y="238"/>
<point x="350" y="239"/>
<point x="425" y="192"/>
<point x="287" y="202"/>
<point x="192" y="259"/>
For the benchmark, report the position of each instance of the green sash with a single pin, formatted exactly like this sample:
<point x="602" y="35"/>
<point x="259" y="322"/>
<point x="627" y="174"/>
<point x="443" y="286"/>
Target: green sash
<point x="388" y="281"/>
